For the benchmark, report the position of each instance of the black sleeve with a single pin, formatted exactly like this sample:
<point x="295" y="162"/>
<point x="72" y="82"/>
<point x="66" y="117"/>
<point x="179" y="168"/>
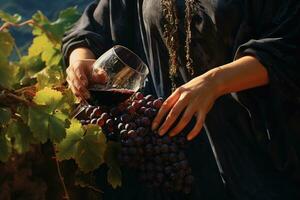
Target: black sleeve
<point x="103" y="24"/>
<point x="277" y="42"/>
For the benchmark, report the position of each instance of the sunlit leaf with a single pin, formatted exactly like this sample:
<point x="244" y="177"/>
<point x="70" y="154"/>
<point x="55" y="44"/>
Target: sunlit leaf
<point x="90" y="150"/>
<point x="6" y="44"/>
<point x="6" y="17"/>
<point x="67" y="147"/>
<point x="45" y="125"/>
<point x="49" y="98"/>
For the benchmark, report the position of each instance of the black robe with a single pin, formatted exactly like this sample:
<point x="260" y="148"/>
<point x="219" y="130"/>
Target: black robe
<point x="250" y="148"/>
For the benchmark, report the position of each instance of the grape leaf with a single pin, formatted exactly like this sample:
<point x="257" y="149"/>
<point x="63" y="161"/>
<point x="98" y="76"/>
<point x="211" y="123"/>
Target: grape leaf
<point x="5" y="115"/>
<point x="21" y="134"/>
<point x="51" y="56"/>
<point x="67" y="147"/>
<point x="40" y="44"/>
<point x="5" y="147"/>
<point x="41" y="19"/>
<point x="7" y="73"/>
<point x="6" y="43"/>
<point x="50" y="76"/>
<point x="48" y="97"/>
<point x="31" y="64"/>
<point x="47" y="126"/>
<point x="114" y="175"/>
<point x="90" y="150"/>
<point x="6" y="17"/>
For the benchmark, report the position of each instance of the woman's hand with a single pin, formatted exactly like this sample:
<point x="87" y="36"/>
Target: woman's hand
<point x="198" y="96"/>
<point x="79" y="72"/>
<point x="194" y="98"/>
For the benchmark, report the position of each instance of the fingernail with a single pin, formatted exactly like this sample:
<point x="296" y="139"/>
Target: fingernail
<point x="189" y="138"/>
<point x="161" y="131"/>
<point x="154" y="126"/>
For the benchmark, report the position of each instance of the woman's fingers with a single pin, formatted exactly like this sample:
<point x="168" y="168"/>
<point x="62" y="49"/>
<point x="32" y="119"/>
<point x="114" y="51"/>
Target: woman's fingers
<point x="166" y="106"/>
<point x="184" y="120"/>
<point x="197" y="128"/>
<point x="99" y="76"/>
<point x="76" y="84"/>
<point x="174" y="113"/>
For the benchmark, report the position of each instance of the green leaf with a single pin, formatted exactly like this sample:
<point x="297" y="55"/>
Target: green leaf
<point x="6" y="17"/>
<point x="5" y="148"/>
<point x="7" y="73"/>
<point x="31" y="64"/>
<point x="52" y="56"/>
<point x="49" y="98"/>
<point x="50" y="76"/>
<point x="21" y="134"/>
<point x="41" y="19"/>
<point x="6" y="43"/>
<point x="67" y="148"/>
<point x="91" y="148"/>
<point x="45" y="125"/>
<point x="5" y="115"/>
<point x="114" y="175"/>
<point x="40" y="44"/>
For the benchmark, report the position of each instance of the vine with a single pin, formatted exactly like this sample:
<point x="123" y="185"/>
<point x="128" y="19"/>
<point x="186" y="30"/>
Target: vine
<point x="35" y="102"/>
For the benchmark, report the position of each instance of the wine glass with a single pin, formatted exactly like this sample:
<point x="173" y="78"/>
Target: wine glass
<point x="125" y="74"/>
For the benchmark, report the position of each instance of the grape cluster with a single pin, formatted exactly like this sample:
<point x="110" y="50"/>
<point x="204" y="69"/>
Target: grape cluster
<point x="160" y="161"/>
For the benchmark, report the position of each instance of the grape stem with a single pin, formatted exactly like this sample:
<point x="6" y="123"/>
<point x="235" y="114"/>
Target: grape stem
<point x="66" y="196"/>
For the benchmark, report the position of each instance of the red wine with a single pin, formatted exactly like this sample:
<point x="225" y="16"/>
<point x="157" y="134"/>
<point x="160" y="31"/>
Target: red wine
<point x="109" y="97"/>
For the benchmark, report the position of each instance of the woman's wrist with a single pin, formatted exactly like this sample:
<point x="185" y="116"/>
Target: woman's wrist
<point x="242" y="74"/>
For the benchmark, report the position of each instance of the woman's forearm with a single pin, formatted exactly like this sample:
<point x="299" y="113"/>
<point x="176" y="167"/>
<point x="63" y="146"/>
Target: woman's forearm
<point x="81" y="53"/>
<point x="242" y="74"/>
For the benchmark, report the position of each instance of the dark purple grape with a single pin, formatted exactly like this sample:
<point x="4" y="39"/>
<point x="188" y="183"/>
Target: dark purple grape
<point x="130" y="109"/>
<point x="149" y="97"/>
<point x="184" y="164"/>
<point x="157" y="103"/>
<point x="114" y="111"/>
<point x="173" y="148"/>
<point x="157" y="149"/>
<point x="173" y="157"/>
<point x="141" y="131"/>
<point x="100" y="122"/>
<point x="138" y="140"/>
<point x="132" y="133"/>
<point x="83" y="122"/>
<point x="109" y="123"/>
<point x="181" y="156"/>
<point x="149" y="104"/>
<point x="146" y="121"/>
<point x="138" y="96"/>
<point x="142" y="110"/>
<point x="121" y="126"/>
<point x="88" y="111"/>
<point x="94" y="121"/>
<point x="125" y="118"/>
<point x="104" y="116"/>
<point x="136" y="105"/>
<point x="164" y="148"/>
<point x="158" y="160"/>
<point x="130" y="126"/>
